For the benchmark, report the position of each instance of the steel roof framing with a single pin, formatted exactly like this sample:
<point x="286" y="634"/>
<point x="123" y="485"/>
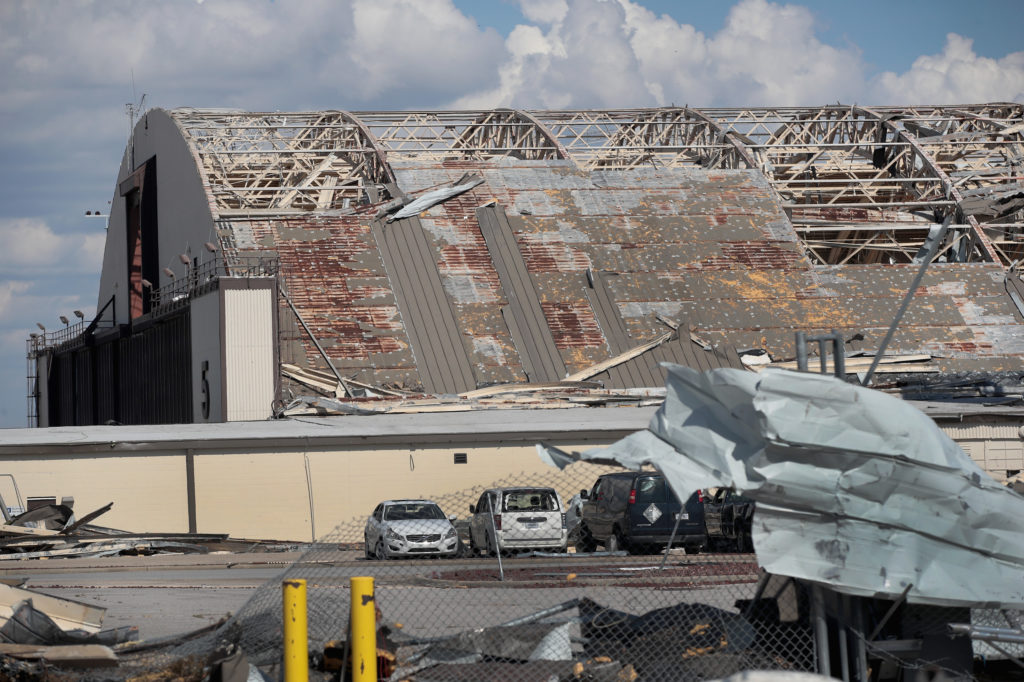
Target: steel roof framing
<point x="879" y="177"/>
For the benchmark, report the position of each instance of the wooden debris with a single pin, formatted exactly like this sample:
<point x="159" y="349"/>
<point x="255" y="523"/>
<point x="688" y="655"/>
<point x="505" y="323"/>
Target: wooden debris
<point x="325" y="382"/>
<point x="502" y="389"/>
<point x="891" y="364"/>
<point x="63" y="656"/>
<point x="620" y="358"/>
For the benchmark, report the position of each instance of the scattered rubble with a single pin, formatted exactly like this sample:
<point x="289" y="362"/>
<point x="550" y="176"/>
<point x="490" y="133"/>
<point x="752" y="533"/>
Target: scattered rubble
<point x="52" y="530"/>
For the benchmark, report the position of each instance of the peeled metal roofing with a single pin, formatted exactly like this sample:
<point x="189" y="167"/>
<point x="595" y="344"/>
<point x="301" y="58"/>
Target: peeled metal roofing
<point x="708" y="250"/>
<point x="855" y="489"/>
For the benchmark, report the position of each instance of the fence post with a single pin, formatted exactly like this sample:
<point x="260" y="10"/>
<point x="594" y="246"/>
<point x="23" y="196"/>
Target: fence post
<point x="364" y="631"/>
<point x="296" y="643"/>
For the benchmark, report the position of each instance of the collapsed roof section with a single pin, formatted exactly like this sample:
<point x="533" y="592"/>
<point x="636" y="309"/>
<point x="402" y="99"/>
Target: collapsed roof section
<point x="861" y="184"/>
<point x="565" y="238"/>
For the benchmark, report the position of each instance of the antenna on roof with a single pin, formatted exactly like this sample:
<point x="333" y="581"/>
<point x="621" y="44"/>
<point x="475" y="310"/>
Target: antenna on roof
<point x="134" y="110"/>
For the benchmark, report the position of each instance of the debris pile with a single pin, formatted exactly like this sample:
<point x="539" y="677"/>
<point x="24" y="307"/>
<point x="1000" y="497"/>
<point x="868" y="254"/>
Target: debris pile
<point x="52" y="530"/>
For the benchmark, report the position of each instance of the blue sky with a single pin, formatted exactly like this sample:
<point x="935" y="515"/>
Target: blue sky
<point x="67" y="69"/>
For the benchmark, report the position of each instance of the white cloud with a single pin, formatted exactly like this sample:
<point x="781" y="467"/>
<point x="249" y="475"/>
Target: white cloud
<point x="409" y="46"/>
<point x="29" y="244"/>
<point x="544" y="11"/>
<point x="616" y="53"/>
<point x="957" y="75"/>
<point x="8" y="291"/>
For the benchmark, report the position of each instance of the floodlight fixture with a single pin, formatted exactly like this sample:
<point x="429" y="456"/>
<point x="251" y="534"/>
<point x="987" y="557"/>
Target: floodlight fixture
<point x="169" y="272"/>
<point x="210" y="246"/>
<point x="64" y="319"/>
<point x="146" y="283"/>
<point x="184" y="259"/>
<point x="40" y="325"/>
<point x="79" y="314"/>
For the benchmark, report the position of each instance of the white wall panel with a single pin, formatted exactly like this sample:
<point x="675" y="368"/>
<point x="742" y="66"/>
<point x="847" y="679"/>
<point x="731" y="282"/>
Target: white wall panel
<point x="248" y="353"/>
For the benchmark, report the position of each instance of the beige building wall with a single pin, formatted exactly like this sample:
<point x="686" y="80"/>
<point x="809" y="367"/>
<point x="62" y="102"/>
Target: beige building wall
<point x="305" y="494"/>
<point x="299" y="488"/>
<point x="148" y="490"/>
<point x="996" y="448"/>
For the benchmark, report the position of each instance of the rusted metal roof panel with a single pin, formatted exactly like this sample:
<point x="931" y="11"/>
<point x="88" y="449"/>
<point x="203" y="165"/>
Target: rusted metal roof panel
<point x="429" y="320"/>
<point x="528" y="319"/>
<point x="710" y="249"/>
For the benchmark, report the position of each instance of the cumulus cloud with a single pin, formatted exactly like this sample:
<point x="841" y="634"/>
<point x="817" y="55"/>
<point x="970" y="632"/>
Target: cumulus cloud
<point x="617" y="53"/>
<point x="28" y="244"/>
<point x="8" y="291"/>
<point x="956" y="75"/>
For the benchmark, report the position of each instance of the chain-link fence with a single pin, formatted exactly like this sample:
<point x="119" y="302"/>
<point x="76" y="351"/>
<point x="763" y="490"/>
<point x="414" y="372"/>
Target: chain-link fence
<point x="587" y="573"/>
<point x="590" y="573"/>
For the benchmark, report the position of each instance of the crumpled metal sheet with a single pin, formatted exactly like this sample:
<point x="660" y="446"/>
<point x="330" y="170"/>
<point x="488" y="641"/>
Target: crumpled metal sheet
<point x="435" y="197"/>
<point x="855" y="489"/>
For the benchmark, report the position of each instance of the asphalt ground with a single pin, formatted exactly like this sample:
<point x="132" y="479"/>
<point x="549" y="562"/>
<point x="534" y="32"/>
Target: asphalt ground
<point x="170" y="594"/>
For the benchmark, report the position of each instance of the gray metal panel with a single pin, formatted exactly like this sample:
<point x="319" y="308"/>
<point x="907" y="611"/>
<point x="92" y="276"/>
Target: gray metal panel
<point x="629" y="374"/>
<point x="645" y="370"/>
<point x="441" y="357"/>
<point x="532" y="336"/>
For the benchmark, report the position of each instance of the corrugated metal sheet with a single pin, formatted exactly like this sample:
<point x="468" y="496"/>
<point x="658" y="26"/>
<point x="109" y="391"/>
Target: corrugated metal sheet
<point x="523" y="314"/>
<point x="248" y="354"/>
<point x="711" y="249"/>
<point x="960" y="432"/>
<point x="436" y="341"/>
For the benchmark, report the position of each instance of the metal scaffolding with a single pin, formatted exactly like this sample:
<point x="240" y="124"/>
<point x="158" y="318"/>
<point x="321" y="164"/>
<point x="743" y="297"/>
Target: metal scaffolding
<point x="860" y="184"/>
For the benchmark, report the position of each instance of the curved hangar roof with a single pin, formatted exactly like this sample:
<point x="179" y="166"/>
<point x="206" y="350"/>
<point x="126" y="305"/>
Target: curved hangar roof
<point x="563" y="238"/>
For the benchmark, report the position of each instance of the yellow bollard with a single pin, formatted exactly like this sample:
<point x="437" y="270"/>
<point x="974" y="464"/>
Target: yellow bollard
<point x="364" y="631"/>
<point x="296" y="642"/>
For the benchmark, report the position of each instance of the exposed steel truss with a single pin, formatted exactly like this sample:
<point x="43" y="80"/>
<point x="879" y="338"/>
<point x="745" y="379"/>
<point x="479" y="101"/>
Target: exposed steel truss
<point x="861" y="184"/>
<point x="283" y="162"/>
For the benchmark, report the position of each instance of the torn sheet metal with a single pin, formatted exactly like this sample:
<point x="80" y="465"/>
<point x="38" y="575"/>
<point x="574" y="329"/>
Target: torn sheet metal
<point x="422" y="203"/>
<point x="855" y="489"/>
<point x="67" y="614"/>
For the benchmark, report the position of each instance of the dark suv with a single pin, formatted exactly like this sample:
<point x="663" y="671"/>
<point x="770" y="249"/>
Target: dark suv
<point x="636" y="511"/>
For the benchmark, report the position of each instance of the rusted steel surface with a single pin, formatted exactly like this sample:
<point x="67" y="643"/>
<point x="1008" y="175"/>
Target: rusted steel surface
<point x="710" y="250"/>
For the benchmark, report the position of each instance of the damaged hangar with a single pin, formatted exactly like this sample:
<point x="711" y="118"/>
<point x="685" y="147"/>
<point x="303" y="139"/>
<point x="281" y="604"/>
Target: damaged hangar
<point x="374" y="258"/>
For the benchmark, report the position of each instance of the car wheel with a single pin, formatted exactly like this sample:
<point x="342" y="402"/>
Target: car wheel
<point x="743" y="540"/>
<point x="585" y="543"/>
<point x="366" y="548"/>
<point x="615" y="542"/>
<point x="381" y="552"/>
<point x="491" y="549"/>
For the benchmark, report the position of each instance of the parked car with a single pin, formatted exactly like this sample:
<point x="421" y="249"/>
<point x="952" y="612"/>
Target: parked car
<point x="516" y="519"/>
<point x="728" y="516"/>
<point x="636" y="511"/>
<point x="400" y="528"/>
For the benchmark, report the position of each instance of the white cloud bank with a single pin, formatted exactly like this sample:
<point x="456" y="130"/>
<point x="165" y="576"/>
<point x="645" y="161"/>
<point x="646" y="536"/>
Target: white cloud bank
<point x="616" y="53"/>
<point x="956" y="75"/>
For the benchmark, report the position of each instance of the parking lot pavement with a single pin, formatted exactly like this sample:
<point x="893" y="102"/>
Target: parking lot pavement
<point x="172" y="594"/>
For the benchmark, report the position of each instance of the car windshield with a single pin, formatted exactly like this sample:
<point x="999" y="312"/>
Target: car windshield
<point x="530" y="500"/>
<point x="412" y="511"/>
